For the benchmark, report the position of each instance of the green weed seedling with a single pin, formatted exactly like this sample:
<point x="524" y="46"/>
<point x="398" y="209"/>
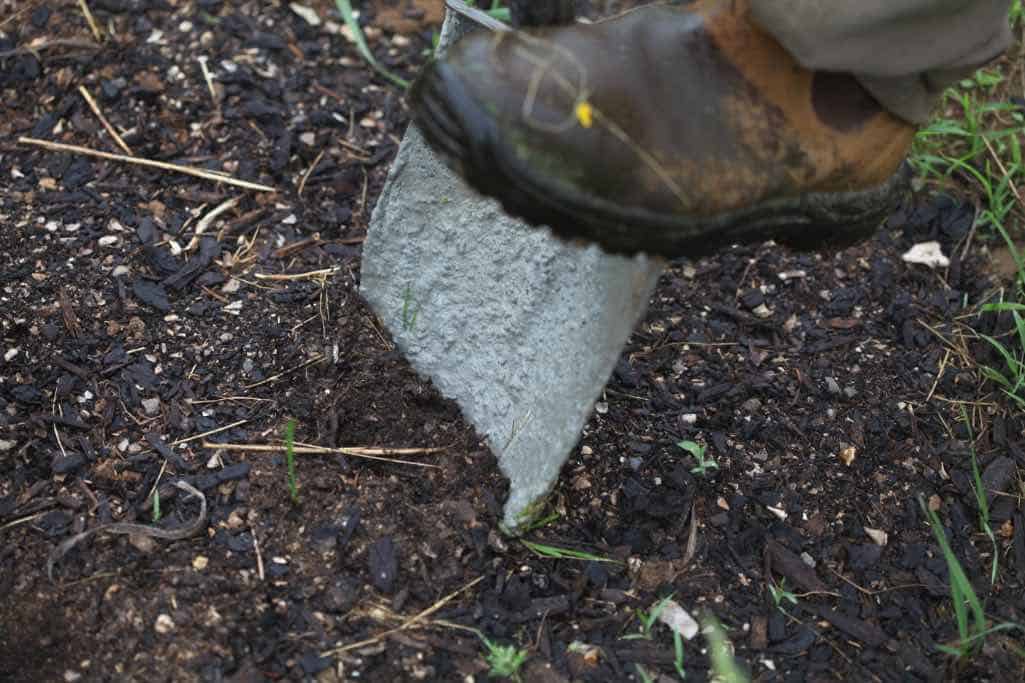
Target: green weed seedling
<point x="678" y="655"/>
<point x="293" y="485"/>
<point x="982" y="500"/>
<point x="698" y="451"/>
<point x="648" y="619"/>
<point x="155" y="495"/>
<point x="542" y="522"/>
<point x="504" y="661"/>
<point x="410" y="309"/>
<point x="555" y="553"/>
<point x="969" y="615"/>
<point x="156" y="505"/>
<point x="724" y="667"/>
<point x="780" y="594"/>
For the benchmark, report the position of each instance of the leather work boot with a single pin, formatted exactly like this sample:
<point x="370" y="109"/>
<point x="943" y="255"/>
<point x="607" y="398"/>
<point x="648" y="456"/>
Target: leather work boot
<point x="670" y="129"/>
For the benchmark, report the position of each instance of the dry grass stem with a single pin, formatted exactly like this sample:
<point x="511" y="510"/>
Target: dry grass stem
<point x="223" y="399"/>
<point x="209" y="433"/>
<point x="259" y="555"/>
<point x="208" y="77"/>
<point x="379" y="454"/>
<point x="309" y="172"/>
<point x="91" y="20"/>
<point x="37" y="46"/>
<point x="103" y="119"/>
<point x="164" y="166"/>
<point x="406" y="625"/>
<point x="309" y="275"/>
<point x="273" y="378"/>
<point x="207" y="220"/>
<point x="22" y="520"/>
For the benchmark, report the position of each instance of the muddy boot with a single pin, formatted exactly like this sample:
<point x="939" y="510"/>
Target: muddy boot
<point x="541" y="12"/>
<point x="673" y="130"/>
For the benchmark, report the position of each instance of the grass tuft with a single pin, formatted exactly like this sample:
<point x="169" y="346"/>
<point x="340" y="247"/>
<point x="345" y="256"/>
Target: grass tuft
<point x="969" y="615"/>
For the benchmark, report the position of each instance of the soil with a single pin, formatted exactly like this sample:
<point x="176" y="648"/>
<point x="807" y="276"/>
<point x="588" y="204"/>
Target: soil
<point x="140" y="335"/>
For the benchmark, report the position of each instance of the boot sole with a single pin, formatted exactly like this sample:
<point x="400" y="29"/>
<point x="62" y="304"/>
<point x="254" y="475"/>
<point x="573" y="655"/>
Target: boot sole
<point x="460" y="130"/>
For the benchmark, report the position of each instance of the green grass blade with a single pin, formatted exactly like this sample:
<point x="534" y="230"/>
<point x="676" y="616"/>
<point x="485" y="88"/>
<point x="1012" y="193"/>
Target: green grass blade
<point x="556" y="553"/>
<point x="981" y="499"/>
<point x="345" y="9"/>
<point x="962" y="595"/>
<point x="1013" y="365"/>
<point x="724" y="666"/>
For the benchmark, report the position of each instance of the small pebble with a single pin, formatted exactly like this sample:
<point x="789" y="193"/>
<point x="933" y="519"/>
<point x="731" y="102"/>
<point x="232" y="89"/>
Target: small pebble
<point x="143" y="543"/>
<point x="164" y="624"/>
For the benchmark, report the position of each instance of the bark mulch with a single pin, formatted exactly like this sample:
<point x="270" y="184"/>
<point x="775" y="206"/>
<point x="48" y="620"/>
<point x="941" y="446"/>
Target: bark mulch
<point x="150" y="317"/>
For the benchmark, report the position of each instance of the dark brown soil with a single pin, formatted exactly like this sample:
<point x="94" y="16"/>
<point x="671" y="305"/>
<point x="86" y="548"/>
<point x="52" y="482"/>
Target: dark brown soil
<point x="815" y="381"/>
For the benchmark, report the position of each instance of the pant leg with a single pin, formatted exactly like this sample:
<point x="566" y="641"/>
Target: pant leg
<point x="905" y="52"/>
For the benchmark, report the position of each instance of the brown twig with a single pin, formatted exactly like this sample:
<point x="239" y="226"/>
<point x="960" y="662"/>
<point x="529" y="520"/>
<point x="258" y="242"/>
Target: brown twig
<point x="327" y="91"/>
<point x="179" y="534"/>
<point x="351" y="240"/>
<point x="309" y="172"/>
<point x="299" y="245"/>
<point x="103" y="119"/>
<point x="211" y="293"/>
<point x="187" y="170"/>
<point x="359" y="151"/>
<point x="36" y="48"/>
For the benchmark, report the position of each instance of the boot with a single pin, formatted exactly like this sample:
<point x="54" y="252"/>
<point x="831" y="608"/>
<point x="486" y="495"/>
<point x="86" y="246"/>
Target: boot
<point x="541" y="12"/>
<point x="673" y="130"/>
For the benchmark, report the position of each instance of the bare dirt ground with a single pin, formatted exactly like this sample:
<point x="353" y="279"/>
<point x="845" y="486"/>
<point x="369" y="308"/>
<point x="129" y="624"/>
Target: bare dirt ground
<point x="149" y="317"/>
